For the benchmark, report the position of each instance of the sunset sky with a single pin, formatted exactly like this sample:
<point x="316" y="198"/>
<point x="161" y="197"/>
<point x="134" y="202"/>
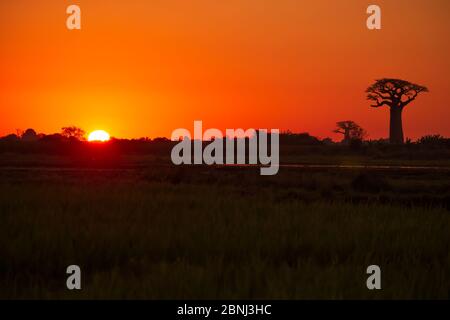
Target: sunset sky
<point x="146" y="67"/>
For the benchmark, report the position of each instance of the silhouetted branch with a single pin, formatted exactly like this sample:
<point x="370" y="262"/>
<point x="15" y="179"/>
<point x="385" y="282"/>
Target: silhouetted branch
<point x="380" y="104"/>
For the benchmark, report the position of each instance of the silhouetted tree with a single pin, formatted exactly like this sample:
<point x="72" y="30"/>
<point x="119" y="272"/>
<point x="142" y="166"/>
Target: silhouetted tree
<point x="73" y="133"/>
<point x="19" y="132"/>
<point x="396" y="94"/>
<point x="29" y="135"/>
<point x="351" y="130"/>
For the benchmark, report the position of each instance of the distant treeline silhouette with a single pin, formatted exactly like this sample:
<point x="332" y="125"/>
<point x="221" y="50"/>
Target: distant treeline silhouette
<point x="70" y="142"/>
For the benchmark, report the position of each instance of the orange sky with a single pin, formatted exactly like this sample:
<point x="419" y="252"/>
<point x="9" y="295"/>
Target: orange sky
<point x="146" y="67"/>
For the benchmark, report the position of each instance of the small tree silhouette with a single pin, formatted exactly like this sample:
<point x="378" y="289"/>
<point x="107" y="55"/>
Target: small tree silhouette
<point x="396" y="94"/>
<point x="73" y="133"/>
<point x="29" y="135"/>
<point x="351" y="130"/>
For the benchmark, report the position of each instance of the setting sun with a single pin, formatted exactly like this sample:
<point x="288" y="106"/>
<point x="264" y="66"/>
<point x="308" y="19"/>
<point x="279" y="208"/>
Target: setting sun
<point x="99" y="135"/>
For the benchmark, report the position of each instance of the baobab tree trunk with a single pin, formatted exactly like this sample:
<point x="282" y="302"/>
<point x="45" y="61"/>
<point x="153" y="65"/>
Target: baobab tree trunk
<point x="396" y="126"/>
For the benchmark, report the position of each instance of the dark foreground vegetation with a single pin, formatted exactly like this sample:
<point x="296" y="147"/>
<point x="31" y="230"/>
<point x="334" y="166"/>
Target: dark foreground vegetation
<point x="139" y="229"/>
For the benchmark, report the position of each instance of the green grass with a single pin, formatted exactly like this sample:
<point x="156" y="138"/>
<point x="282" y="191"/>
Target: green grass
<point x="173" y="234"/>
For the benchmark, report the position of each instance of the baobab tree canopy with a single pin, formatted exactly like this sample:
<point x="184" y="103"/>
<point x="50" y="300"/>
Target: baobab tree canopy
<point x="395" y="94"/>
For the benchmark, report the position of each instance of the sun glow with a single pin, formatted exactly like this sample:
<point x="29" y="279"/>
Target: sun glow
<point x="99" y="135"/>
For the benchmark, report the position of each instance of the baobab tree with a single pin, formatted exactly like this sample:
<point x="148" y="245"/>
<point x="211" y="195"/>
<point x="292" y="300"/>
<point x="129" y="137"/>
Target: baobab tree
<point x="350" y="130"/>
<point x="395" y="94"/>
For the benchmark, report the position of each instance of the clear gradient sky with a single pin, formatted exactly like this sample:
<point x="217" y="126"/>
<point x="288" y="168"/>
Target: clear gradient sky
<point x="146" y="67"/>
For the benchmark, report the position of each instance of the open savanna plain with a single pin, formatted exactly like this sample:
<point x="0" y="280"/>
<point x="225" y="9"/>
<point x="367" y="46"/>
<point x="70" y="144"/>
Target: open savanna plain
<point x="159" y="231"/>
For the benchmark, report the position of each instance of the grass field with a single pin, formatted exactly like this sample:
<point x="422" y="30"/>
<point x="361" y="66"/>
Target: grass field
<point x="207" y="233"/>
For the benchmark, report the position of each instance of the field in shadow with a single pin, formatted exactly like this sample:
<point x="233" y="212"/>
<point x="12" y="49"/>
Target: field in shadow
<point x="167" y="232"/>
